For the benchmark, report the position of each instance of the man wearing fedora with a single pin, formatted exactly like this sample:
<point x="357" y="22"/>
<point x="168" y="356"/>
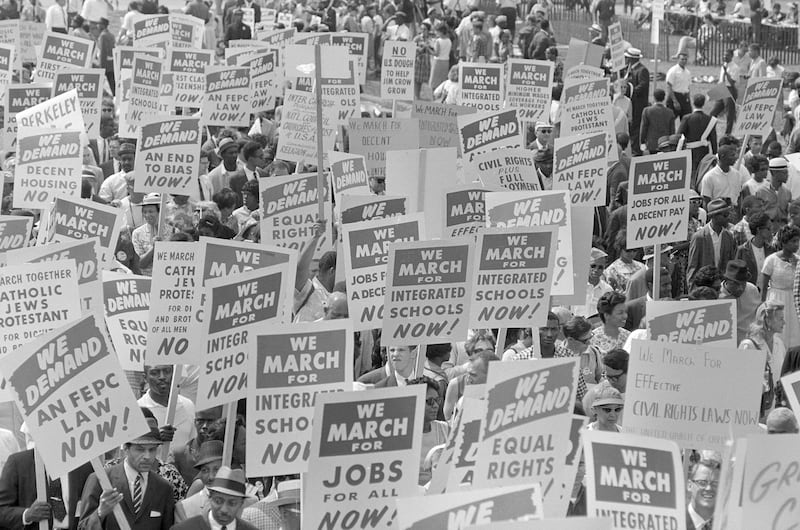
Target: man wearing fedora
<point x="209" y="461"/>
<point x="146" y="498"/>
<point x="279" y="509"/>
<point x="227" y="492"/>
<point x="736" y="285"/>
<point x="228" y="174"/>
<point x="114" y="188"/>
<point x="712" y="244"/>
<point x="638" y="77"/>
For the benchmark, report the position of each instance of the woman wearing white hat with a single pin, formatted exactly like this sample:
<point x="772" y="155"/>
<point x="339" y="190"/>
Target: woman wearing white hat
<point x="145" y="236"/>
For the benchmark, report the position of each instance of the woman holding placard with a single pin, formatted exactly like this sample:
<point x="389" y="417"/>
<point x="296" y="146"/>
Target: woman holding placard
<point x="777" y="281"/>
<point x="764" y="335"/>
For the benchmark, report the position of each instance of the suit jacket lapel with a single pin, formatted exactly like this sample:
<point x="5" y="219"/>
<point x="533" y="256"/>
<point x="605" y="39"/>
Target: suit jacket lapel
<point x="149" y="494"/>
<point x="120" y="481"/>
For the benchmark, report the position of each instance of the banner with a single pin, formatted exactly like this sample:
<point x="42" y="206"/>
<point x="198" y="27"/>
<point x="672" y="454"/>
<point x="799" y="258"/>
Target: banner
<point x="62" y="51"/>
<point x="167" y="158"/>
<point x="355" y="208"/>
<point x="145" y="90"/>
<point x="34" y="299"/>
<point x="464" y="211"/>
<point x="581" y="166"/>
<point x="298" y="139"/>
<point x="512" y="278"/>
<point x="186" y="31"/>
<point x="73" y="395"/>
<point x="771" y="498"/>
<point x="637" y="481"/>
<point x="152" y="31"/>
<point x="507" y="209"/>
<point x="758" y="106"/>
<point x="49" y="163"/>
<point x="511" y="168"/>
<point x="176" y="274"/>
<point x="127" y="302"/>
<point x="529" y="89"/>
<point x="188" y="69"/>
<point x="81" y="219"/>
<point x="658" y="198"/>
<point x="366" y="252"/>
<point x="15" y="232"/>
<point x="291" y="366"/>
<point x="427" y="292"/>
<point x="524" y="435"/>
<point x="227" y="97"/>
<point x="365" y="452"/>
<point x="679" y="394"/>
<point x="85" y="253"/>
<point x="485" y="131"/>
<point x="17" y="99"/>
<point x="397" y="70"/>
<point x="481" y="85"/>
<point x="358" y="46"/>
<point x="454" y="511"/>
<point x="348" y="174"/>
<point x="265" y="80"/>
<point x="438" y="123"/>
<point x="88" y="83"/>
<point x="693" y="322"/>
<point x="239" y="306"/>
<point x="371" y="138"/>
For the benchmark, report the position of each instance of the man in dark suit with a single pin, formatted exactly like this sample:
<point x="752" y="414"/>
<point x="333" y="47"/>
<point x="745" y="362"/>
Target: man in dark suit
<point x="639" y="81"/>
<point x="101" y="147"/>
<point x="226" y="491"/>
<point x="637" y="308"/>
<point x="105" y="52"/>
<point x="657" y="121"/>
<point x="703" y="484"/>
<point x="18" y="505"/>
<point x="146" y="498"/>
<point x="712" y="244"/>
<point x="699" y="132"/>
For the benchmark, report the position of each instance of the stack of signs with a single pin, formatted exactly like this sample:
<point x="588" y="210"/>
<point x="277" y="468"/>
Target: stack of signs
<point x="617" y="46"/>
<point x="127" y="303"/>
<point x="693" y="322"/>
<point x="581" y="166"/>
<point x="481" y="86"/>
<point x="758" y="107"/>
<point x="529" y="89"/>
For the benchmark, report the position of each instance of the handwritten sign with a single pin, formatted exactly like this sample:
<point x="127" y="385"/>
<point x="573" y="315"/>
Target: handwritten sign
<point x="438" y="123"/>
<point x="298" y="139"/>
<point x="769" y="498"/>
<point x="397" y="72"/>
<point x="693" y="322"/>
<point x="88" y="83"/>
<point x="481" y="85"/>
<point x="581" y="166"/>
<point x="372" y="138"/>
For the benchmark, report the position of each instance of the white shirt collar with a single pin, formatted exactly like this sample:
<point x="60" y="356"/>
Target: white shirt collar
<point x="216" y="526"/>
<point x="131" y="473"/>
<point x="697" y="521"/>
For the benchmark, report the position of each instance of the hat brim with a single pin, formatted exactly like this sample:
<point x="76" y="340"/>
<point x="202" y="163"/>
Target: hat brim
<point x="719" y="210"/>
<point x="227" y="491"/>
<point x="607" y="401"/>
<point x="294" y="498"/>
<point x="145" y="441"/>
<point x="206" y="460"/>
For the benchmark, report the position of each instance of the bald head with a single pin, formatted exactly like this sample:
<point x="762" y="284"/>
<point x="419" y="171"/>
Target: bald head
<point x="782" y="421"/>
<point x="336" y="307"/>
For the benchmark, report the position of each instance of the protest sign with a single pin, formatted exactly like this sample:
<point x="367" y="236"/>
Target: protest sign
<point x="438" y="124"/>
<point x="227" y="95"/>
<point x="291" y="366"/>
<point x="454" y="511"/>
<point x="771" y="497"/>
<point x="582" y="53"/>
<point x="285" y="19"/>
<point x="35" y="298"/>
<point x="123" y="61"/>
<point x="265" y="80"/>
<point x="366" y="252"/>
<point x="176" y="272"/>
<point x="186" y="31"/>
<point x="127" y="302"/>
<point x="300" y="62"/>
<point x="85" y="253"/>
<point x="289" y="211"/>
<point x="62" y="51"/>
<point x="341" y="99"/>
<point x="17" y="99"/>
<point x="15" y="232"/>
<point x="637" y="481"/>
<point x="758" y="106"/>
<point x="188" y="75"/>
<point x="358" y="46"/>
<point x="7" y="54"/>
<point x="76" y="218"/>
<point x="88" y="83"/>
<point x="693" y="322"/>
<point x="427" y="292"/>
<point x="167" y="155"/>
<point x="511" y="168"/>
<point x="239" y="306"/>
<point x="152" y="31"/>
<point x="365" y="452"/>
<point x="145" y="90"/>
<point x="73" y="395"/>
<point x="529" y="86"/>
<point x="485" y="131"/>
<point x="59" y="112"/>
<point x="372" y="138"/>
<point x="355" y="208"/>
<point x="512" y="277"/>
<point x="481" y="85"/>
<point x="509" y="209"/>
<point x="397" y="71"/>
<point x="524" y="435"/>
<point x="464" y="211"/>
<point x="658" y="198"/>
<point x="462" y="465"/>
<point x="581" y="166"/>
<point x="348" y="174"/>
<point x="671" y="393"/>
<point x="585" y="110"/>
<point x="580" y="218"/>
<point x="791" y="387"/>
<point x="166" y="99"/>
<point x="571" y="523"/>
<point x="298" y="139"/>
<point x="49" y="163"/>
<point x="11" y="35"/>
<point x="30" y="37"/>
<point x="617" y="46"/>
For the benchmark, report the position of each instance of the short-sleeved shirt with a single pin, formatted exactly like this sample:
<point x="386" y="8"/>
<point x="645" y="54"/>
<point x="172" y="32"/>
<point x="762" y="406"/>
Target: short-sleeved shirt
<point x="718" y="184"/>
<point x="679" y="78"/>
<point x="183" y="422"/>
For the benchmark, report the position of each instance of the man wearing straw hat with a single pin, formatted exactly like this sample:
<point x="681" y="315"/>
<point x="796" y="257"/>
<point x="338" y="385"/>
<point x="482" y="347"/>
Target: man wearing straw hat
<point x="227" y="492"/>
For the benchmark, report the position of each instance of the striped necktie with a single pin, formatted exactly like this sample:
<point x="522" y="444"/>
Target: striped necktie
<point x="137" y="493"/>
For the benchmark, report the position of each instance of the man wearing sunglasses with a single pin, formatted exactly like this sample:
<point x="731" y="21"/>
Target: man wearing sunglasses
<point x="702" y="490"/>
<point x="596" y="285"/>
<point x="607" y="406"/>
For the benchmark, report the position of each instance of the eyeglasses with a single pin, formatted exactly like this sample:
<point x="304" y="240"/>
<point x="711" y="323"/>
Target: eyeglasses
<point x="609" y="410"/>
<point x="614" y="378"/>
<point x="432" y="401"/>
<point x="703" y="484"/>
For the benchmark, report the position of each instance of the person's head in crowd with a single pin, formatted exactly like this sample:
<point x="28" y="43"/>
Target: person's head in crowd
<point x="607" y="406"/>
<point x="612" y="310"/>
<point x="551" y="54"/>
<point x="703" y="293"/>
<point x="403" y="358"/>
<point x="751" y="205"/>
<point x="108" y="126"/>
<point x="774" y="150"/>
<point x="729" y="139"/>
<point x="615" y="362"/>
<point x="226" y="494"/>
<point x="695" y="202"/>
<point x="253" y="155"/>
<point x="209" y="225"/>
<point x="479" y="367"/>
<point x="544" y="133"/>
<point x="698" y="100"/>
<point x="87" y="186"/>
<point x="735" y="277"/>
<point x="438" y="354"/>
<point x="127" y="156"/>
<point x="543" y="161"/>
<point x="718" y="213"/>
<point x="433" y="400"/>
<point x="141" y="453"/>
<point x="204" y="208"/>
<point x="788" y="239"/>
<point x="78" y="22"/>
<point x="277" y="168"/>
<point x="623" y="140"/>
<point x="758" y="165"/>
<point x="577" y="333"/>
<point x="228" y="151"/>
<point x="778" y="172"/>
<point x="151" y="205"/>
<point x="597" y="265"/>
<point x="755" y="50"/>
<point x="481" y="339"/>
<point x="727" y="156"/>
<point x="755" y="143"/>
<point x="770" y="319"/>
<point x="708" y="276"/>
<point x="702" y="488"/>
<point x="377" y="184"/>
<point x="782" y="421"/>
<point x="441" y="30"/>
<point x="683" y="58"/>
<point x="182" y="236"/>
<point x="336" y="307"/>
<point x="209" y="460"/>
<point x="251" y="231"/>
<point x="327" y="270"/>
<point x="452" y="74"/>
<point x="549" y="333"/>
<point x="665" y="287"/>
<point x="659" y="94"/>
<point x="225" y="199"/>
<point x="203" y="422"/>
<point x="523" y="336"/>
<point x="103" y="23"/>
<point x="621" y="244"/>
<point x="250" y="195"/>
<point x="632" y="56"/>
<point x="158" y="379"/>
<point x="760" y="226"/>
